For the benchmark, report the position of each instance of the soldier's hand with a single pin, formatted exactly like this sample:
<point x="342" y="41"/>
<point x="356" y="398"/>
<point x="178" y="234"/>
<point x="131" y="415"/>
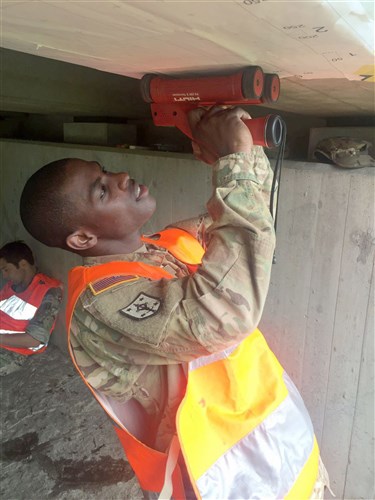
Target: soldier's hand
<point x="219" y="132"/>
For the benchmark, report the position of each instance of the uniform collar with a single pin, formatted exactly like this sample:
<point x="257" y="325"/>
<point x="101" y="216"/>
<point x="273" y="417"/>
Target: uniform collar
<point x="102" y="259"/>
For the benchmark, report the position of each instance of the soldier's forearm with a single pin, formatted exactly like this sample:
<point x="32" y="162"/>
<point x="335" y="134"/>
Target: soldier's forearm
<point x="41" y="324"/>
<point x="18" y="340"/>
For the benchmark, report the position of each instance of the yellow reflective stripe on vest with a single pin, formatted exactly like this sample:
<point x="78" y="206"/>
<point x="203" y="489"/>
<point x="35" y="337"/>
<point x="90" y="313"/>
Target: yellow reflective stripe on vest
<point x="307" y="477"/>
<point x="211" y="421"/>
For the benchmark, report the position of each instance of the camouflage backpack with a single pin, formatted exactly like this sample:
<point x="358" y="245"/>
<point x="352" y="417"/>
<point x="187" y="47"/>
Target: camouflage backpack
<point x="345" y="152"/>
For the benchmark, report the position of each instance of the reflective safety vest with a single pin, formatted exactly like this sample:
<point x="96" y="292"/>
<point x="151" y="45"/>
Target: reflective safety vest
<point x="242" y="427"/>
<point x="17" y="309"/>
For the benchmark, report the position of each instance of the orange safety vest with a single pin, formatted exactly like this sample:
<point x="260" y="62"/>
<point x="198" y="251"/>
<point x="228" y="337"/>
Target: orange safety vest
<point x="17" y="309"/>
<point x="242" y="427"/>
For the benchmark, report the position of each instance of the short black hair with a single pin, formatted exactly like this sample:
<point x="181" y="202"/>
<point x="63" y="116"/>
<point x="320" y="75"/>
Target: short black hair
<point x="14" y="251"/>
<point x="45" y="212"/>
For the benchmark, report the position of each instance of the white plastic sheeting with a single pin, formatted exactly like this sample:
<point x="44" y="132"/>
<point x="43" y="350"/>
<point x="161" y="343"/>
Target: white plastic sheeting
<point x="307" y="39"/>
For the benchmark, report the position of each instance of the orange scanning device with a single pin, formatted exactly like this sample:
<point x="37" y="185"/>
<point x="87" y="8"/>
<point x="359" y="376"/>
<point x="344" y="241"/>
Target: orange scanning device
<point x="172" y="98"/>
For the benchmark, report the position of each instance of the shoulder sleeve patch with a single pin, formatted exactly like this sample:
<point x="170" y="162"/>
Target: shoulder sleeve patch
<point x="142" y="307"/>
<point x="104" y="284"/>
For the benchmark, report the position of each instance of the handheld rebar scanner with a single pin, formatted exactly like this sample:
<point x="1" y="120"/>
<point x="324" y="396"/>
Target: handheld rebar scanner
<point x="172" y="98"/>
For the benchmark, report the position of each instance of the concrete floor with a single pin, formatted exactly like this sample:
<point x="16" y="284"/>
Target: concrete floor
<point x="56" y="441"/>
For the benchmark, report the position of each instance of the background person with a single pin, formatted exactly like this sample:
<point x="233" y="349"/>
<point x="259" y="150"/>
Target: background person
<point x="29" y="301"/>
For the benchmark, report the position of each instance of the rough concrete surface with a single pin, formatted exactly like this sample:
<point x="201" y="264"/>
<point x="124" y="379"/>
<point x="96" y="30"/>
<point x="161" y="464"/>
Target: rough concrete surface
<point x="56" y="441"/>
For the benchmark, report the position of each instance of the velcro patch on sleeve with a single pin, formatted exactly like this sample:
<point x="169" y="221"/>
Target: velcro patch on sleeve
<point x="106" y="283"/>
<point x="142" y="307"/>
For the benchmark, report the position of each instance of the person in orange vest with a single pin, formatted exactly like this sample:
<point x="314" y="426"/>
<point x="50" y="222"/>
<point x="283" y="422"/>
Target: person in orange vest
<point x="163" y="328"/>
<point x="29" y="301"/>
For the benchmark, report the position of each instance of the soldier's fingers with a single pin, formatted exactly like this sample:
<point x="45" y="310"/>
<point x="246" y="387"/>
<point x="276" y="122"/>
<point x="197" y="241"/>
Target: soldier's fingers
<point x="195" y="116"/>
<point x="215" y="110"/>
<point x="226" y="112"/>
<point x="196" y="149"/>
<point x="239" y="113"/>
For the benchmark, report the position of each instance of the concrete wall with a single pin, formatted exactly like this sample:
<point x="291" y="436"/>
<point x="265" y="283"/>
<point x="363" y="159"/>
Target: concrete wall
<point x="319" y="313"/>
<point x="319" y="316"/>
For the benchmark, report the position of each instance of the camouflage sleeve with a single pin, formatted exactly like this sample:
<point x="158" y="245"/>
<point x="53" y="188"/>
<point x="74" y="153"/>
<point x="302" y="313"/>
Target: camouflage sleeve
<point x="176" y="320"/>
<point x="224" y="300"/>
<point x="41" y="324"/>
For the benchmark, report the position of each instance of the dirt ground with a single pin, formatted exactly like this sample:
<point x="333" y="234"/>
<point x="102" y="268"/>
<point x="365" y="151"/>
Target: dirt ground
<point x="56" y="441"/>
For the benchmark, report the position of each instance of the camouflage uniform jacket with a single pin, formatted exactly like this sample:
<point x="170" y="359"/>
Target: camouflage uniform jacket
<point x="127" y="357"/>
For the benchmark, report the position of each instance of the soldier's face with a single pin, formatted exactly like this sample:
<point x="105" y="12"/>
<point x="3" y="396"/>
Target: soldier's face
<point x="111" y="204"/>
<point x="11" y="272"/>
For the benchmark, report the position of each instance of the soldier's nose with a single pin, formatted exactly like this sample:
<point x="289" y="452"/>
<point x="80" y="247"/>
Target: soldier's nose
<point x="123" y="180"/>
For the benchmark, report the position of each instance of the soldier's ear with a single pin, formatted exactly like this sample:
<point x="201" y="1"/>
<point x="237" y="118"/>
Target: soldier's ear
<point x="23" y="264"/>
<point x="81" y="239"/>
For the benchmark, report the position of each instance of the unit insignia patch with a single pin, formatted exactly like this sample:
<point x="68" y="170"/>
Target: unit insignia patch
<point x="142" y="307"/>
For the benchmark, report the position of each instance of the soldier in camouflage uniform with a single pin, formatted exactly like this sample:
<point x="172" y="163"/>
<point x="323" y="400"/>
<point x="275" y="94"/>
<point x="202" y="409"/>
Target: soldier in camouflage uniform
<point x="136" y="363"/>
<point x="19" y="270"/>
<point x="132" y="341"/>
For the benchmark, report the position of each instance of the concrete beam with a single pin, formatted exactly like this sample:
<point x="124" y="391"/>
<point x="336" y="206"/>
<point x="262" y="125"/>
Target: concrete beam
<point x="32" y="84"/>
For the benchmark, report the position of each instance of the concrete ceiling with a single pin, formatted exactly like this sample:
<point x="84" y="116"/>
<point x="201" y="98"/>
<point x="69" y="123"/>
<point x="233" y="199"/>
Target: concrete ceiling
<point x="322" y="50"/>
